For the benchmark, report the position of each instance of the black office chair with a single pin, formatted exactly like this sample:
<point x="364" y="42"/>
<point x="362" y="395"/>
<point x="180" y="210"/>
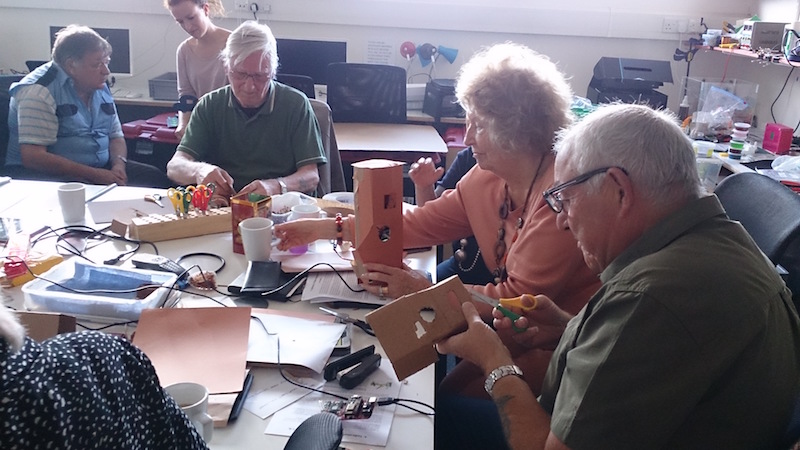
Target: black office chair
<point x="767" y="209"/>
<point x="33" y="64"/>
<point x="322" y="431"/>
<point x="5" y="98"/>
<point x="367" y="93"/>
<point x="302" y="83"/>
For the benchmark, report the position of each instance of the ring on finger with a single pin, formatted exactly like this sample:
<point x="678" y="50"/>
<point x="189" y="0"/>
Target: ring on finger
<point x="383" y="291"/>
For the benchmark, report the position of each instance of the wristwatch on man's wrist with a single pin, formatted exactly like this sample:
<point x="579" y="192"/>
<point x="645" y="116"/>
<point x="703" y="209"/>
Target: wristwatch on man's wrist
<point x="284" y="188"/>
<point x="498" y="373"/>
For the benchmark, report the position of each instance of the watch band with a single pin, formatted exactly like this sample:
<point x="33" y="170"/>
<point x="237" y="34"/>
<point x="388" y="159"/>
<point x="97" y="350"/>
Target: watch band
<point x="498" y="373"/>
<point x="284" y="188"/>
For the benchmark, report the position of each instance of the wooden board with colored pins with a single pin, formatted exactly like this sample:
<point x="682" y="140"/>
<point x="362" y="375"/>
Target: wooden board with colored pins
<point x="163" y="227"/>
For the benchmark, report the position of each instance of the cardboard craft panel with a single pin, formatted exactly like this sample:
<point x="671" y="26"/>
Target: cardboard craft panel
<point x="378" y="186"/>
<point x="44" y="325"/>
<point x="406" y="335"/>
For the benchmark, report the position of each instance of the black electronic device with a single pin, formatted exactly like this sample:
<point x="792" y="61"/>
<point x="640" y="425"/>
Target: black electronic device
<point x="354" y="368"/>
<point x="157" y="262"/>
<point x="440" y="99"/>
<point x="629" y="80"/>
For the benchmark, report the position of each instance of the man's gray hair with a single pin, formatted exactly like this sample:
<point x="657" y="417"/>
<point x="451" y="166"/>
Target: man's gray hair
<point x="248" y="38"/>
<point x="648" y="144"/>
<point x="75" y="41"/>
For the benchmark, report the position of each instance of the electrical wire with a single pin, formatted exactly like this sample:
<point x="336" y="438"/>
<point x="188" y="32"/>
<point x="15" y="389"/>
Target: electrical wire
<point x="772" y="106"/>
<point x="383" y="401"/>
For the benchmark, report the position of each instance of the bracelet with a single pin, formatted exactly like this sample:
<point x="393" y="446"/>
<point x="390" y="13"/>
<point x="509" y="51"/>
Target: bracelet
<point x="500" y="372"/>
<point x="339" y="229"/>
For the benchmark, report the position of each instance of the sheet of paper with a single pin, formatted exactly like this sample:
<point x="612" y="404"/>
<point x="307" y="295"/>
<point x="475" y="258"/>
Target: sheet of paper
<point x="372" y="431"/>
<point x="303" y="342"/>
<point x="279" y="393"/>
<point x="318" y="252"/>
<point x="203" y="345"/>
<point x="106" y="211"/>
<point x="328" y="287"/>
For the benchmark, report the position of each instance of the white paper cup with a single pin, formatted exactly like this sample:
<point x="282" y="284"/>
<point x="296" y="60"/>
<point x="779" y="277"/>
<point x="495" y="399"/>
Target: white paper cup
<point x="256" y="238"/>
<point x="72" y="198"/>
<point x="193" y="400"/>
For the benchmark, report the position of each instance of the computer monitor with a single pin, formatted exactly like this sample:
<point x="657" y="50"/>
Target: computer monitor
<point x="120" y="41"/>
<point x="309" y="58"/>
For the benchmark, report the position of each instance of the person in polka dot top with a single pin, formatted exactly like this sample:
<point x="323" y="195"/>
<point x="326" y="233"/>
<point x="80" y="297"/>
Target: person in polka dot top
<point x="85" y="390"/>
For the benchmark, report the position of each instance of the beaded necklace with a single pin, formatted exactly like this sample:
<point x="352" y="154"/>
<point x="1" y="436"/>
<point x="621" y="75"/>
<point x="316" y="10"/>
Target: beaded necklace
<point x="500" y="250"/>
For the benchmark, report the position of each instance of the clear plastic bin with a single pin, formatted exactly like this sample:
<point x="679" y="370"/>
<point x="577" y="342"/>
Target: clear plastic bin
<point x="43" y="295"/>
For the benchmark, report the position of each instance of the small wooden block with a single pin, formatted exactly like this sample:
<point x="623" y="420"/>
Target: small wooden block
<point x="164" y="227"/>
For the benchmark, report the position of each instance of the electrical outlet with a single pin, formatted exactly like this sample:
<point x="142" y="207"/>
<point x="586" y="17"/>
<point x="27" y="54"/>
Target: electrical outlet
<point x="670" y="25"/>
<point x="242" y="5"/>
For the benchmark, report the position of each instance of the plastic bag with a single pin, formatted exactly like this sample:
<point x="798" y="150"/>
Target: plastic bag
<point x="786" y="163"/>
<point x="722" y="106"/>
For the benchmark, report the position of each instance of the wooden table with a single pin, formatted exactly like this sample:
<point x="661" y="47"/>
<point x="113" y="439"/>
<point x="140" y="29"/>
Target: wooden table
<point x="38" y="202"/>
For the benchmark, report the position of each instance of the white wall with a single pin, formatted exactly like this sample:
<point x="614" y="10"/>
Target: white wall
<point x="575" y="34"/>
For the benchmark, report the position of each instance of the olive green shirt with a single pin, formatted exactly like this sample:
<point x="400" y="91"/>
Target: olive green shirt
<point x="691" y="342"/>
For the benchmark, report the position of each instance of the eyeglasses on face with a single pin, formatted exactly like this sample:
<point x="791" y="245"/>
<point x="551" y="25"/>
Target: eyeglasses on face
<point x="258" y="78"/>
<point x="97" y="64"/>
<point x="553" y="195"/>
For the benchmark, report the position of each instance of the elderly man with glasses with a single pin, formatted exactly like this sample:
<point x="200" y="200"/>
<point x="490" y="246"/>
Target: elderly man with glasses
<point x="255" y="135"/>
<point x="63" y="124"/>
<point x="692" y="340"/>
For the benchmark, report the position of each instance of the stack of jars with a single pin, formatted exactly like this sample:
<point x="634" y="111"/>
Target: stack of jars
<point x="738" y="139"/>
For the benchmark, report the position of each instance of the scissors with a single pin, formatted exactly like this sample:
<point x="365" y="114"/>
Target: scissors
<point x="201" y="195"/>
<point x="503" y="304"/>
<point x="155" y="198"/>
<point x="344" y="317"/>
<point x="176" y="197"/>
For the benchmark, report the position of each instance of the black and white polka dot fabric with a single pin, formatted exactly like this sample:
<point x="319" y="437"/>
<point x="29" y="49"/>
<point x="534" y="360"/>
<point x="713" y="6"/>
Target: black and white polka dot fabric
<point x="87" y="390"/>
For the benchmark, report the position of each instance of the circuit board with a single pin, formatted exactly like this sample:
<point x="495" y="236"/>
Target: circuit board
<point x="354" y="408"/>
<point x="164" y="227"/>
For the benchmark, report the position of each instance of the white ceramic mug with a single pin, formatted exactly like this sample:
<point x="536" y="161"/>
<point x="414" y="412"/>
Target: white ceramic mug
<point x="193" y="400"/>
<point x="72" y="198"/>
<point x="305" y="211"/>
<point x="256" y="238"/>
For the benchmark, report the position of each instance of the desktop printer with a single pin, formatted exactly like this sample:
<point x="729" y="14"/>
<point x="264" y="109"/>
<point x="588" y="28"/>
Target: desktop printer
<point x="440" y="99"/>
<point x="629" y="81"/>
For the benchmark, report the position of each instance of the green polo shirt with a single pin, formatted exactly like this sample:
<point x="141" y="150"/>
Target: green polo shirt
<point x="281" y="137"/>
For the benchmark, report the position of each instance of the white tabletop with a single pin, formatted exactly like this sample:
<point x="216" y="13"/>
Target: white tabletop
<point x="37" y="202"/>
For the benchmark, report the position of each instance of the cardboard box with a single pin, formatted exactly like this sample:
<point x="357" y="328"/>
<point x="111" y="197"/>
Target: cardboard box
<point x="244" y="206"/>
<point x="44" y="325"/>
<point x="378" y="187"/>
<point x="408" y="334"/>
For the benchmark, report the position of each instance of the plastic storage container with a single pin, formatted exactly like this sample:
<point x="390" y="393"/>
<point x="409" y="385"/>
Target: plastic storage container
<point x="164" y="87"/>
<point x="42" y="295"/>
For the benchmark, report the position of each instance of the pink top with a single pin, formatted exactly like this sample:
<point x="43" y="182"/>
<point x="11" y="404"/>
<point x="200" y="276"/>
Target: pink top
<point x="198" y="75"/>
<point x="543" y="260"/>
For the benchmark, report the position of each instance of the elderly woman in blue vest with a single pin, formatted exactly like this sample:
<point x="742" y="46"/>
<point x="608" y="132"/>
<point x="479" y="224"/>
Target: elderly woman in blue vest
<point x="63" y="124"/>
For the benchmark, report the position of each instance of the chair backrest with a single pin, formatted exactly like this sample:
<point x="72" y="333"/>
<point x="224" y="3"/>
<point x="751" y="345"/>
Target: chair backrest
<point x="33" y="64"/>
<point x="5" y="98"/>
<point x="367" y="93"/>
<point x="322" y="431"/>
<point x="767" y="209"/>
<point x="302" y="83"/>
<point x="331" y="175"/>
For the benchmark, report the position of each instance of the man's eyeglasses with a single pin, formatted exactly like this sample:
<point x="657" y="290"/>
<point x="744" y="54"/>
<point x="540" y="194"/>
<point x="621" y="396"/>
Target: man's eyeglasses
<point x="553" y="195"/>
<point x="258" y="78"/>
<point x="97" y="65"/>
